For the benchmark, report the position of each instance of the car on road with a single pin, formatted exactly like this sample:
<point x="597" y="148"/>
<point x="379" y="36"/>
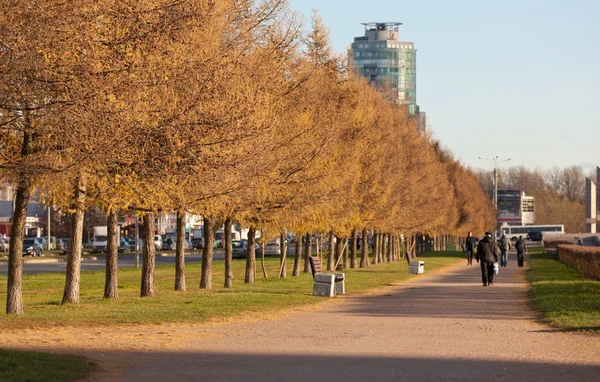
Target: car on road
<point x="168" y="244"/>
<point x="157" y="242"/>
<point x="272" y="248"/>
<point x="4" y="244"/>
<point x="132" y="244"/>
<point x="32" y="247"/>
<point x="239" y="248"/>
<point x="197" y="242"/>
<point x="535" y="236"/>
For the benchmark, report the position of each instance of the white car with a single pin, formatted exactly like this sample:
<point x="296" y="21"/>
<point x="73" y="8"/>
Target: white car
<point x="157" y="242"/>
<point x="272" y="248"/>
<point x="4" y="244"/>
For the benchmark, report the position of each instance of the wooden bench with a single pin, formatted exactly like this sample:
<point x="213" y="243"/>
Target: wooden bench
<point x="327" y="285"/>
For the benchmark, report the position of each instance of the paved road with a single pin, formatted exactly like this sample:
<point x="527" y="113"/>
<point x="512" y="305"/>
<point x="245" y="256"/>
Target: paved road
<point x="39" y="265"/>
<point x="440" y="327"/>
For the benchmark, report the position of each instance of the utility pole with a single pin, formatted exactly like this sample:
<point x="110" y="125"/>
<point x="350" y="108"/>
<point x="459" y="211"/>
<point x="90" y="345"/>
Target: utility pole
<point x="495" y="162"/>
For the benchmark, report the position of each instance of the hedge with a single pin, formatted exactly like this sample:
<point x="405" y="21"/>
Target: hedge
<point x="584" y="260"/>
<point x="554" y="243"/>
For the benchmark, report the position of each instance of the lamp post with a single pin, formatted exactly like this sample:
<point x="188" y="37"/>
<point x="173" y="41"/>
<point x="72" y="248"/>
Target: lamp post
<point x="495" y="161"/>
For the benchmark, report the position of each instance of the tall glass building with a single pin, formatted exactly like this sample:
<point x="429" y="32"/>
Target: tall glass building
<point x="388" y="62"/>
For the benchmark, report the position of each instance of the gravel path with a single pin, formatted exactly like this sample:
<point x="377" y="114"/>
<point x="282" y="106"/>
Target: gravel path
<point x="440" y="327"/>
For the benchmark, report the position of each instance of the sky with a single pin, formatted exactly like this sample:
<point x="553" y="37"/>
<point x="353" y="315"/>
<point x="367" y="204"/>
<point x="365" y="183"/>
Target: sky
<point x="516" y="79"/>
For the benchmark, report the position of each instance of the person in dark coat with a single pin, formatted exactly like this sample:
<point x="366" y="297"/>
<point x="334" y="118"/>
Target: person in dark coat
<point x="521" y="250"/>
<point x="487" y="253"/>
<point x="470" y="248"/>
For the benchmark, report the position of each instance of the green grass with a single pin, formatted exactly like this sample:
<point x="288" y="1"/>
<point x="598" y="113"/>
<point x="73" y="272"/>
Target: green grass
<point x="24" y="366"/>
<point x="42" y="294"/>
<point x="566" y="299"/>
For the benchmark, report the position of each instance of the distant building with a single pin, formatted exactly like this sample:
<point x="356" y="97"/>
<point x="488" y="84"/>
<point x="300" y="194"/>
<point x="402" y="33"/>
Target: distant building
<point x="515" y="208"/>
<point x="592" y="195"/>
<point x="387" y="62"/>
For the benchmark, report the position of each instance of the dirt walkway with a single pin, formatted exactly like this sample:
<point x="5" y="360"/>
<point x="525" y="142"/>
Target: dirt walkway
<point x="440" y="327"/>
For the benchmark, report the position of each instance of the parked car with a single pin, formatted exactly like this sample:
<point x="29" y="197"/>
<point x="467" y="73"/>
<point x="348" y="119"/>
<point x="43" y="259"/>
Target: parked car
<point x="239" y="248"/>
<point x="535" y="236"/>
<point x="132" y="244"/>
<point x="197" y="242"/>
<point x="168" y="244"/>
<point x="272" y="248"/>
<point x="32" y="247"/>
<point x="157" y="242"/>
<point x="4" y="244"/>
<point x="123" y="245"/>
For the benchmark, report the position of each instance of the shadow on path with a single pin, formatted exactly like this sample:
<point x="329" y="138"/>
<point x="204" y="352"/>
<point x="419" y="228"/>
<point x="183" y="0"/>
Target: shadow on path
<point x="252" y="367"/>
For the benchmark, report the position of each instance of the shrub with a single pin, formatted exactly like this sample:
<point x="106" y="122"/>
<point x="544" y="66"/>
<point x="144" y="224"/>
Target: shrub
<point x="584" y="260"/>
<point x="554" y="243"/>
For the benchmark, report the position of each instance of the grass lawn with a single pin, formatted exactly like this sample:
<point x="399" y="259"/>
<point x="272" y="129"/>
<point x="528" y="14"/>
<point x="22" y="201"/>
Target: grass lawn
<point x="566" y="299"/>
<point x="24" y="366"/>
<point x="42" y="294"/>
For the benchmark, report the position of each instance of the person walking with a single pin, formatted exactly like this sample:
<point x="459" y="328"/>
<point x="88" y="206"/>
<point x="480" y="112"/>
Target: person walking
<point x="504" y="247"/>
<point x="521" y="250"/>
<point x="487" y="253"/>
<point x="470" y="248"/>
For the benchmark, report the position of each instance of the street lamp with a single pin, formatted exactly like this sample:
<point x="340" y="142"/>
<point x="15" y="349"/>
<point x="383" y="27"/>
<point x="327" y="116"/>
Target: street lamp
<point x="495" y="162"/>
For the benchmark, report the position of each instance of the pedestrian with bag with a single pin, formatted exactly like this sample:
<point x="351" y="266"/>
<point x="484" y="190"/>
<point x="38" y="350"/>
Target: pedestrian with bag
<point x="521" y="251"/>
<point x="504" y="247"/>
<point x="470" y="248"/>
<point x="487" y="253"/>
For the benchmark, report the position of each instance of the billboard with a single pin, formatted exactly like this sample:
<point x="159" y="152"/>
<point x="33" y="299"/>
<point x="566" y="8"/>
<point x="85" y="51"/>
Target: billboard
<point x="509" y="206"/>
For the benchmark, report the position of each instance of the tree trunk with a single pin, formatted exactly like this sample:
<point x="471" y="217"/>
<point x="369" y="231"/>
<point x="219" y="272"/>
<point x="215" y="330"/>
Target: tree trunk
<point x="228" y="254"/>
<point x="307" y="251"/>
<point x="148" y="285"/>
<point x="251" y="257"/>
<point x="14" y="292"/>
<point x="71" y="292"/>
<point x="353" y="249"/>
<point x="375" y="247"/>
<point x="112" y="256"/>
<point x="389" y="248"/>
<point x="282" y="256"/>
<point x="345" y="253"/>
<point x="330" y="253"/>
<point x="382" y="258"/>
<point x="382" y="248"/>
<point x="262" y="259"/>
<point x="207" y="252"/>
<point x="180" y="253"/>
<point x="364" y="250"/>
<point x="338" y="251"/>
<point x="297" y="256"/>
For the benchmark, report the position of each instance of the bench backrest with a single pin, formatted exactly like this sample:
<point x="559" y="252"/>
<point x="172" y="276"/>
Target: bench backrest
<point x="315" y="265"/>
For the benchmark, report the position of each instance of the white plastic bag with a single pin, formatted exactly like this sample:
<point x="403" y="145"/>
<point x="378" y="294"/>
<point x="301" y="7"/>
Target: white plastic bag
<point x="496" y="268"/>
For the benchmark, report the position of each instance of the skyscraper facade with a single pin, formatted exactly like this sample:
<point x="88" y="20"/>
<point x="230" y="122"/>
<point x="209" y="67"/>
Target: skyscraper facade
<point x="387" y="62"/>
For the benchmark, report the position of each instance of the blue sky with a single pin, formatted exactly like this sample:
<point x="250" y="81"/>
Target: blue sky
<point x="519" y="79"/>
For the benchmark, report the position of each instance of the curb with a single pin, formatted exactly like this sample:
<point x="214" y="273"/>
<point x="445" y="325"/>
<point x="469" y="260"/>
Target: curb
<point x="47" y="261"/>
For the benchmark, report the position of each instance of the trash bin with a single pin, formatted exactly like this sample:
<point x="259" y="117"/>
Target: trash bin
<point x="416" y="267"/>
